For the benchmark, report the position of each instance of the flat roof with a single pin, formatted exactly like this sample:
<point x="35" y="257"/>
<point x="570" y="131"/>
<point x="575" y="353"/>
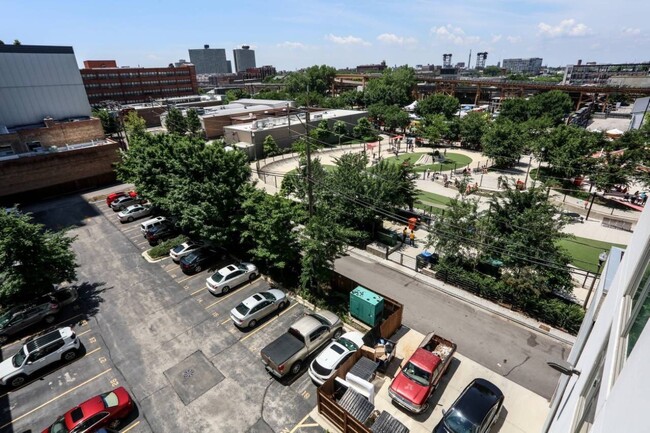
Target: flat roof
<point x="36" y="49"/>
<point x="262" y="101"/>
<point x="232" y="110"/>
<point x="281" y="121"/>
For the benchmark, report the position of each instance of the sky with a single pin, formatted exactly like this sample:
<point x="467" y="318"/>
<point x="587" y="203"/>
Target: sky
<point x="292" y="34"/>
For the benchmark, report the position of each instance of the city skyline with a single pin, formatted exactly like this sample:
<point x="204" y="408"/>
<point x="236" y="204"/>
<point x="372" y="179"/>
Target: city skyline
<point x="292" y="35"/>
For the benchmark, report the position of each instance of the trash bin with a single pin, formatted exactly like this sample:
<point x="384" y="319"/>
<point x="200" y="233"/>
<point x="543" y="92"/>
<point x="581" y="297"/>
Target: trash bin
<point x="426" y="258"/>
<point x="412" y="223"/>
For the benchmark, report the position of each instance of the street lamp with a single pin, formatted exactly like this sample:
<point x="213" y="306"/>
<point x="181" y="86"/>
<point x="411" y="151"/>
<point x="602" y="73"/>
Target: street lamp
<point x="602" y="258"/>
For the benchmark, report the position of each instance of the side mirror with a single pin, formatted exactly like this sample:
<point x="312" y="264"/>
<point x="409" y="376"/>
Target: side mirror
<point x="30" y="362"/>
<point x="444" y="411"/>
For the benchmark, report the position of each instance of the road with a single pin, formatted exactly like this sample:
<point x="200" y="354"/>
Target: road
<point x="494" y="342"/>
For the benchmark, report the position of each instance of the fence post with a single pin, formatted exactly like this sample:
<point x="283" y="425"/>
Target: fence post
<point x="401" y="259"/>
<point x="481" y="181"/>
<point x="585" y="281"/>
<point x="275" y="178"/>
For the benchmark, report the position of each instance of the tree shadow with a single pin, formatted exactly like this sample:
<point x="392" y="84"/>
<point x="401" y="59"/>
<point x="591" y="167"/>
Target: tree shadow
<point x="62" y="212"/>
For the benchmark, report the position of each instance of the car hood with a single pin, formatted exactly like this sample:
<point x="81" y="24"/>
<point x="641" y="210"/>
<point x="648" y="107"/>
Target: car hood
<point x="6" y="367"/>
<point x="409" y="389"/>
<point x="328" y="358"/>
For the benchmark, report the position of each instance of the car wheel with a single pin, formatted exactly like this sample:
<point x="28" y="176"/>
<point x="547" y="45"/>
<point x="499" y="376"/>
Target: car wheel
<point x="296" y="367"/>
<point x="69" y="355"/>
<point x="283" y="305"/>
<point x="115" y="424"/>
<point x="197" y="269"/>
<point x="225" y="290"/>
<point x="252" y="323"/>
<point x="4" y="339"/>
<point x="252" y="277"/>
<point x="338" y="333"/>
<point x="130" y="219"/>
<point x="18" y="380"/>
<point x="49" y="319"/>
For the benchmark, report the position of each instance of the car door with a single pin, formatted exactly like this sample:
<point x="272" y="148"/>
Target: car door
<point x="35" y="361"/>
<point x="92" y="423"/>
<point x="52" y="352"/>
<point x="317" y="337"/>
<point x="236" y="277"/>
<point x="263" y="309"/>
<point x="489" y="419"/>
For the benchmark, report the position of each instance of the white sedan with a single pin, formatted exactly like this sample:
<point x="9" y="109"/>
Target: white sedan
<point x="254" y="308"/>
<point x="230" y="276"/>
<point x="182" y="250"/>
<point x="330" y="359"/>
<point x="134" y="212"/>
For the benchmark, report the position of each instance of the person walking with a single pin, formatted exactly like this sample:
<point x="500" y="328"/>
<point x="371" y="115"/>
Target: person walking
<point x="412" y="238"/>
<point x="404" y="235"/>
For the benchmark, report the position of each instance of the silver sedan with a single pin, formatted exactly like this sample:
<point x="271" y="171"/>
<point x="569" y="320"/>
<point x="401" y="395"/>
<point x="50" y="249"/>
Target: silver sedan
<point x="256" y="307"/>
<point x="134" y="212"/>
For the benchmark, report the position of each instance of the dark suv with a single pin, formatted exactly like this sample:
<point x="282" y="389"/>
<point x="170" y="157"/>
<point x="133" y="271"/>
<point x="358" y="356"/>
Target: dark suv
<point x="159" y="233"/>
<point x="15" y="319"/>
<point x="200" y="259"/>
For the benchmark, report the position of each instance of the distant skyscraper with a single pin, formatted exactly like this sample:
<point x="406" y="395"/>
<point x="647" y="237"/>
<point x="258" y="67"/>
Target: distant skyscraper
<point x="244" y="58"/>
<point x="209" y="60"/>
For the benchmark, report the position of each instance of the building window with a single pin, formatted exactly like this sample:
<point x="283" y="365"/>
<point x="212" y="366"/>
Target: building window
<point x="586" y="409"/>
<point x="639" y="307"/>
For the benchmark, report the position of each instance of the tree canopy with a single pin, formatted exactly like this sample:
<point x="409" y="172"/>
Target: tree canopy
<point x="438" y="104"/>
<point x="394" y="87"/>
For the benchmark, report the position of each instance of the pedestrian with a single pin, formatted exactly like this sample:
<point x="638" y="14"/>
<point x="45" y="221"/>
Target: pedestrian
<point x="424" y="174"/>
<point x="586" y="203"/>
<point x="404" y="235"/>
<point x="428" y="173"/>
<point x="412" y="238"/>
<point x="445" y="153"/>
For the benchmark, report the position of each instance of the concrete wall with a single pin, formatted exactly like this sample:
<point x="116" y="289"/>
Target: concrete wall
<point x="55" y="134"/>
<point x="29" y="178"/>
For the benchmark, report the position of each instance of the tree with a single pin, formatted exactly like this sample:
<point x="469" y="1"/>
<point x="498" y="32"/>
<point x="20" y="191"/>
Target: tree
<point x="321" y="133"/>
<point x="269" y="227"/>
<point x="472" y="128"/>
<point x="554" y="105"/>
<point x="515" y="110"/>
<point x="235" y="94"/>
<point x="340" y="128"/>
<point x="456" y="232"/>
<point x="269" y="146"/>
<point x="438" y="104"/>
<point x="502" y="141"/>
<point x="108" y="121"/>
<point x="317" y="79"/>
<point x="351" y="98"/>
<point x="32" y="259"/>
<point x="492" y="71"/>
<point x="568" y="149"/>
<point x="134" y="125"/>
<point x="193" y="123"/>
<point x="434" y="128"/>
<point x="17" y="42"/>
<point x="394" y="87"/>
<point x="175" y="122"/>
<point x="364" y="130"/>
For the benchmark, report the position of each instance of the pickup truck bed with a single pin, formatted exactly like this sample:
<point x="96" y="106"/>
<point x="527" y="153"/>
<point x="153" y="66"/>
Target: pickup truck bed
<point x="282" y="349"/>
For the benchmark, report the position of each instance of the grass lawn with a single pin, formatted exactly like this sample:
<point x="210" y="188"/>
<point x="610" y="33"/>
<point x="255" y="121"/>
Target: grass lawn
<point x="459" y="160"/>
<point x="584" y="252"/>
<point x="432" y="199"/>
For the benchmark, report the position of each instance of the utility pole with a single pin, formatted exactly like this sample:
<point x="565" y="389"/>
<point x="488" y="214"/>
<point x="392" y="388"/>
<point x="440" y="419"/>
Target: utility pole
<point x="530" y="162"/>
<point x="310" y="191"/>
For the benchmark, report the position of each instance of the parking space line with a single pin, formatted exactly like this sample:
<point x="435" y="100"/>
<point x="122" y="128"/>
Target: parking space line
<point x="198" y="274"/>
<point x="293" y="430"/>
<point x="85" y="332"/>
<point x="199" y="291"/>
<point x="267" y="323"/>
<point x="239" y="289"/>
<point x="142" y="243"/>
<point x="130" y="229"/>
<point x="130" y="427"/>
<point x="55" y="398"/>
<point x="227" y="320"/>
<point x="171" y="264"/>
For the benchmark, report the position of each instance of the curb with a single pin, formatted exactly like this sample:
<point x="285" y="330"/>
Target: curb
<point x="469" y="301"/>
<point x="148" y="258"/>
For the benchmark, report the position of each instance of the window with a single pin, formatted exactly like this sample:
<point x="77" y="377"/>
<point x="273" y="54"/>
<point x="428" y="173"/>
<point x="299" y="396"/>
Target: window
<point x="639" y="308"/>
<point x="586" y="409"/>
<point x="53" y="347"/>
<point x="317" y="333"/>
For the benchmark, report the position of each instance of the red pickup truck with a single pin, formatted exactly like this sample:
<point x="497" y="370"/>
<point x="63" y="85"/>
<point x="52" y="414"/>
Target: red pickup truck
<point x="421" y="374"/>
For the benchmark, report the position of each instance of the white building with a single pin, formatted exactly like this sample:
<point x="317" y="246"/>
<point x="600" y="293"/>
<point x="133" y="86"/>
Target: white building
<point x="606" y="381"/>
<point x="523" y="66"/>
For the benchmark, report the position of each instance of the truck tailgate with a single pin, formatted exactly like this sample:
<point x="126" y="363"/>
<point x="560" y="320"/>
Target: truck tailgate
<point x="281" y="350"/>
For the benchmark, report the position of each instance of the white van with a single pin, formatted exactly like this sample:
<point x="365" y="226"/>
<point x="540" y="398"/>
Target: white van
<point x="153" y="222"/>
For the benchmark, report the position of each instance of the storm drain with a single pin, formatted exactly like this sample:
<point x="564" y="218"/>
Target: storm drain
<point x="193" y="377"/>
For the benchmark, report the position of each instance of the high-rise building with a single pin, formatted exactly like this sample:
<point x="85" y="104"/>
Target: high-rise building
<point x="244" y="58"/>
<point x="209" y="60"/>
<point x="38" y="82"/>
<point x="523" y="66"/>
<point x="133" y="85"/>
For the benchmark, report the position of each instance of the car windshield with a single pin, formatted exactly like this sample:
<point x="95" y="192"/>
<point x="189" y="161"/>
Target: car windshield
<point x="178" y="248"/>
<point x="457" y="423"/>
<point x="242" y="309"/>
<point x="217" y="277"/>
<point x="110" y="399"/>
<point x="59" y="426"/>
<point x="4" y="318"/>
<point x="19" y="358"/>
<point x="347" y="344"/>
<point x="416" y="374"/>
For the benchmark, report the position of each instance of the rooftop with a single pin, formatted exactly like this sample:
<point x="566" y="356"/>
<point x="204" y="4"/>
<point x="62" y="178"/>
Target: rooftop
<point x="281" y="122"/>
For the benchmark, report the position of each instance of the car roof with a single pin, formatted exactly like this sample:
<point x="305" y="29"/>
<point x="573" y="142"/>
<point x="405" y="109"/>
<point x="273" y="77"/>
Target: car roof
<point x="85" y="410"/>
<point x="477" y="399"/>
<point x="226" y="270"/>
<point x="253" y="300"/>
<point x="44" y="340"/>
<point x="307" y="324"/>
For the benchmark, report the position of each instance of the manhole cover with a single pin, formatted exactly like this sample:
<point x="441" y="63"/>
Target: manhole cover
<point x="188" y="373"/>
<point x="193" y="377"/>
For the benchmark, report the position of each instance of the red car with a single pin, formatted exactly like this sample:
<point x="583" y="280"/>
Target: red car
<point x="106" y="409"/>
<point x="115" y="195"/>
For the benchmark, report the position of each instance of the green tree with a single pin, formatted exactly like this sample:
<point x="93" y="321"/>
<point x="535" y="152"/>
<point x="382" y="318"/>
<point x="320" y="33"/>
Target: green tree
<point x="456" y="232"/>
<point x="554" y="105"/>
<point x="235" y="94"/>
<point x="269" y="146"/>
<point x="32" y="258"/>
<point x="434" y="127"/>
<point x="492" y="71"/>
<point x="316" y="79"/>
<point x="472" y="128"/>
<point x="364" y="130"/>
<point x="515" y="109"/>
<point x="108" y="121"/>
<point x="394" y="87"/>
<point x="502" y="142"/>
<point x="321" y="133"/>
<point x="17" y="42"/>
<point x="568" y="149"/>
<point x="134" y="125"/>
<point x="340" y="128"/>
<point x="175" y="122"/>
<point x="193" y="123"/>
<point x="351" y="98"/>
<point x="438" y="104"/>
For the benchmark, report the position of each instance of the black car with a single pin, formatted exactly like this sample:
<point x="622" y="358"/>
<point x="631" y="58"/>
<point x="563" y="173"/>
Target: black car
<point x="200" y="259"/>
<point x="475" y="410"/>
<point x="159" y="233"/>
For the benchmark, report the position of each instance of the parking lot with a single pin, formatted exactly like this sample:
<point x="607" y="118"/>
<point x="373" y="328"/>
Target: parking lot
<point x="159" y="333"/>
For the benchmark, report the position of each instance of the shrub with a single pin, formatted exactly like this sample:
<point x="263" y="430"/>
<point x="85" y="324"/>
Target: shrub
<point x="162" y="249"/>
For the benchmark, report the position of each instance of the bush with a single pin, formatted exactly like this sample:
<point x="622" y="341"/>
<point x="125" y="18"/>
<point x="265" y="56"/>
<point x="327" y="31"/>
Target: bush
<point x="162" y="249"/>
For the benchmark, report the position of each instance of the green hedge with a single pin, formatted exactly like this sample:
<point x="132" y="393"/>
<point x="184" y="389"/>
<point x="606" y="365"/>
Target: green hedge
<point x="162" y="249"/>
<point x="553" y="311"/>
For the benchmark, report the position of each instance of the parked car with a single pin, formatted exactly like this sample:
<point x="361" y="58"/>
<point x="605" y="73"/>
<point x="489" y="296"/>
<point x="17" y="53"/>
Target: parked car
<point x="122" y="203"/>
<point x="115" y="195"/>
<point x="475" y="410"/>
<point x="159" y="233"/>
<point x="153" y="222"/>
<point x="335" y="354"/>
<point x="60" y="344"/>
<point x="287" y="352"/>
<point x="254" y="308"/>
<point x="200" y="259"/>
<point x="180" y="251"/>
<point x="134" y="212"/>
<point x="105" y="410"/>
<point x="63" y="294"/>
<point x="15" y="319"/>
<point x="231" y="276"/>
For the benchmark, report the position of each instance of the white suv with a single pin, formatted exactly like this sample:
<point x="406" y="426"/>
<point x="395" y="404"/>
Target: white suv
<point x="59" y="345"/>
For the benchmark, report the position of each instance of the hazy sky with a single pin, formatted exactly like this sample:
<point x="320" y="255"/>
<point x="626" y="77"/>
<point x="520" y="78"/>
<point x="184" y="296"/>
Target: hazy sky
<point x="292" y="34"/>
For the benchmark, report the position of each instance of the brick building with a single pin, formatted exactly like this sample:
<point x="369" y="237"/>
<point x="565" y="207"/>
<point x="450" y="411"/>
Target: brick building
<point x="103" y="81"/>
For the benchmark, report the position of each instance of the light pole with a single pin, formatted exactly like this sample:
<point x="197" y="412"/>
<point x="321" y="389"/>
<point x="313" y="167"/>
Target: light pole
<point x="602" y="258"/>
